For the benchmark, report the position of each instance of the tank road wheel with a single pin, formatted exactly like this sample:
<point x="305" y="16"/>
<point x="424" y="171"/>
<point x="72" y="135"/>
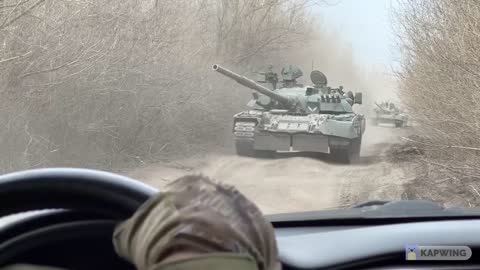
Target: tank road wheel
<point x="245" y="149"/>
<point x="355" y="146"/>
<point x="264" y="154"/>
<point x="347" y="155"/>
<point x="339" y="154"/>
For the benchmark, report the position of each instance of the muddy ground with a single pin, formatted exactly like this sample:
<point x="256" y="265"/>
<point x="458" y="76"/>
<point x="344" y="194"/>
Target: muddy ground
<point x="297" y="183"/>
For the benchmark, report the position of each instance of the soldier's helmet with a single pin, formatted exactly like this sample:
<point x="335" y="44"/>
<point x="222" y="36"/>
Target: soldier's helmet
<point x="291" y="73"/>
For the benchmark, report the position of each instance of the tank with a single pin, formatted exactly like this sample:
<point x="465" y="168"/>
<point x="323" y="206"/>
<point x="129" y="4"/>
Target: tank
<point x="389" y="113"/>
<point x="297" y="118"/>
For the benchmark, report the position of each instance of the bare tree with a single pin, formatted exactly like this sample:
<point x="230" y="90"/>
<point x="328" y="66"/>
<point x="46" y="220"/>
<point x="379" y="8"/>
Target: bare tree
<point x="439" y="81"/>
<point x="439" y="75"/>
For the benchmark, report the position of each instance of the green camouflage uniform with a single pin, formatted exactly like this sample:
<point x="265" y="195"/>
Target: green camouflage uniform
<point x="215" y="222"/>
<point x="208" y="218"/>
<point x="29" y="267"/>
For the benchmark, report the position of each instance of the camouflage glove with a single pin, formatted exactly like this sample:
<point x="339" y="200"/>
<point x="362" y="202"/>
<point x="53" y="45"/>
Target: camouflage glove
<point x="197" y="215"/>
<point x="29" y="267"/>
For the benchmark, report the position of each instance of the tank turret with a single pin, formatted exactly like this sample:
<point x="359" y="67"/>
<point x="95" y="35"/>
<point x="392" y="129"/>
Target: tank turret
<point x="381" y="108"/>
<point x="299" y="99"/>
<point x="387" y="113"/>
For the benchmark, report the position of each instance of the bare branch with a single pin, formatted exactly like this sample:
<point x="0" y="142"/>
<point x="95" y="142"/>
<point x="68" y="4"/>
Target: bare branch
<point x="15" y="57"/>
<point x="5" y="24"/>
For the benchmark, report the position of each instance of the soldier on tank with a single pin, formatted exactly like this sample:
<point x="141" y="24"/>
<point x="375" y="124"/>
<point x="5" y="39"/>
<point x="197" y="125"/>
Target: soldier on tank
<point x="271" y="77"/>
<point x="290" y="74"/>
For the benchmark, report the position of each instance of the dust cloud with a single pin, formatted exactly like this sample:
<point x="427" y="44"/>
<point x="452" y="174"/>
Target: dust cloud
<point x="296" y="183"/>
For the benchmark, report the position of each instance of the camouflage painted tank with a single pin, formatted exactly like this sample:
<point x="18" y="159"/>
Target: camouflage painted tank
<point x="297" y="118"/>
<point x="388" y="113"/>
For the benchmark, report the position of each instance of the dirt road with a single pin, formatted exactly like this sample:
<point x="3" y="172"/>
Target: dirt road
<point x="292" y="183"/>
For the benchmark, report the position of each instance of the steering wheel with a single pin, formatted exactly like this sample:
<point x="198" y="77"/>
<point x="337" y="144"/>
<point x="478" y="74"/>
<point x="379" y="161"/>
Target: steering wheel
<point x="88" y="205"/>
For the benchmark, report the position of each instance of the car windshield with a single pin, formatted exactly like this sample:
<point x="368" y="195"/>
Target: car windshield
<point x="353" y="101"/>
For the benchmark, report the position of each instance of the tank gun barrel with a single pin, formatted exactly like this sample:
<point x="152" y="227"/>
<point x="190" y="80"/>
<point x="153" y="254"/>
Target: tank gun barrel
<point x="251" y="84"/>
<point x="380" y="107"/>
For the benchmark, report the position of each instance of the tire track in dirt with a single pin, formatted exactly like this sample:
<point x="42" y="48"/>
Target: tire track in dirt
<point x="298" y="183"/>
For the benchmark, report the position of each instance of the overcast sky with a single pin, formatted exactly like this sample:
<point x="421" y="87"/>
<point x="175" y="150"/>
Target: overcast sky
<point x="366" y="24"/>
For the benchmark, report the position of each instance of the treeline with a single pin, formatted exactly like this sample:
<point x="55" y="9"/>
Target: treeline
<point x="440" y="72"/>
<point x="106" y="84"/>
<point x="440" y="83"/>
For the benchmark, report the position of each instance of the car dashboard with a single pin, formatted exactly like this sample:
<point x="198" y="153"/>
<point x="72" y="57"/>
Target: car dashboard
<point x="359" y="243"/>
<point x="375" y="246"/>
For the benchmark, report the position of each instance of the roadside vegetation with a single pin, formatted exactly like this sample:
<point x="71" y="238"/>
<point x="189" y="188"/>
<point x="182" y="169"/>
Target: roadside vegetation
<point x="440" y="84"/>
